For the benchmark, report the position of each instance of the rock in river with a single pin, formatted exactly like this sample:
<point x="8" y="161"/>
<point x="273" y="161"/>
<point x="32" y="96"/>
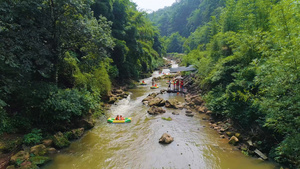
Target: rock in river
<point x="166" y="139"/>
<point x="157" y="102"/>
<point x="154" y="110"/>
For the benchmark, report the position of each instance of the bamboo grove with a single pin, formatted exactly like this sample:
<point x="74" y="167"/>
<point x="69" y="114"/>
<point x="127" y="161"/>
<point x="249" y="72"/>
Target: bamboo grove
<point x="247" y="56"/>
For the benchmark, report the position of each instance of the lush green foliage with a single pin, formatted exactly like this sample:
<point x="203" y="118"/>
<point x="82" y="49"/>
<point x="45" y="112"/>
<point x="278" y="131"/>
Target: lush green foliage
<point x="138" y="48"/>
<point x="33" y="138"/>
<point x="58" y="58"/>
<point x="247" y="56"/>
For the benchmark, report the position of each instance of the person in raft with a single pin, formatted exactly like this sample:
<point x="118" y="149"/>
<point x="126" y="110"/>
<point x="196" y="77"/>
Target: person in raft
<point x="122" y="118"/>
<point x="152" y="82"/>
<point x="143" y="81"/>
<point x="118" y="117"/>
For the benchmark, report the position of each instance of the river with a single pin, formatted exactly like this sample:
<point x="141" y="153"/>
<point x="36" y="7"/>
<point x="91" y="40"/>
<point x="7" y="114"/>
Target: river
<point x="135" y="145"/>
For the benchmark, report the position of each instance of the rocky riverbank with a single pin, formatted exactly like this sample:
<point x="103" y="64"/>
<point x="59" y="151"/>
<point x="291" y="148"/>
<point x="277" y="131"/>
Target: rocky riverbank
<point x="244" y="141"/>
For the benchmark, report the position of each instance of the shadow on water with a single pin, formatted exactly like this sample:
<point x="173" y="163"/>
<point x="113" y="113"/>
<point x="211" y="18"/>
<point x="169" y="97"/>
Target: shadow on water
<point x="135" y="144"/>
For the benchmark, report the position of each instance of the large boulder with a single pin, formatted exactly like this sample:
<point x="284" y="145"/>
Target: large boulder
<point x="157" y="102"/>
<point x="197" y="100"/>
<point x="20" y="156"/>
<point x="171" y="103"/>
<point x="166" y="139"/>
<point x="87" y="123"/>
<point x="179" y="105"/>
<point x="201" y="109"/>
<point x="60" y="140"/>
<point x="147" y="99"/>
<point x="38" y="150"/>
<point x="154" y="110"/>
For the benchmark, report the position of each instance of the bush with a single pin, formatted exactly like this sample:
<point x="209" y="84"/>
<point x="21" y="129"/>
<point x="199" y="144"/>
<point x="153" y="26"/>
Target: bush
<point x="68" y="104"/>
<point x="33" y="138"/>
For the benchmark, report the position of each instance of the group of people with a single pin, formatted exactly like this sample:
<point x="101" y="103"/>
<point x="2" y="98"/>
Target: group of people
<point x="119" y="117"/>
<point x="178" y="84"/>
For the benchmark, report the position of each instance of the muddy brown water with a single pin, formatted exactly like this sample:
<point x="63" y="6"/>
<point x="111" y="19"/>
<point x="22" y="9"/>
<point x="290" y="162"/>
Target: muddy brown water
<point x="135" y="144"/>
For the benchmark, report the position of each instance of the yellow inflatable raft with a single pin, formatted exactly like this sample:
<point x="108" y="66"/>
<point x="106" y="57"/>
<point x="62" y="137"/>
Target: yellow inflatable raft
<point x="112" y="120"/>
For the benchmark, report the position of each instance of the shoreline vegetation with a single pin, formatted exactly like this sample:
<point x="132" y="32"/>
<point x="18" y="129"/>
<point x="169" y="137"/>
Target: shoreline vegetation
<point x="62" y="60"/>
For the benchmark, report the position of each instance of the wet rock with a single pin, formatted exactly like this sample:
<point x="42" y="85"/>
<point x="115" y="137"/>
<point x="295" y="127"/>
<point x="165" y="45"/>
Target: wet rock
<point x="197" y="100"/>
<point x="171" y="103"/>
<point x="166" y="139"/>
<point x="175" y="113"/>
<point x="20" y="156"/>
<point x="154" y="110"/>
<point x="179" y="106"/>
<point x="222" y="136"/>
<point x="157" y="102"/>
<point x="147" y="99"/>
<point x="216" y="128"/>
<point x="190" y="114"/>
<point x="204" y="118"/>
<point x="38" y="150"/>
<point x="201" y="109"/>
<point x="233" y="140"/>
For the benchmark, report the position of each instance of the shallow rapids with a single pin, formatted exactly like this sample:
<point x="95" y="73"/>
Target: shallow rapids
<point x="135" y="144"/>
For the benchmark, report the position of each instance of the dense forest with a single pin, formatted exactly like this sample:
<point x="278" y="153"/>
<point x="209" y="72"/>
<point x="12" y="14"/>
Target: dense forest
<point x="247" y="56"/>
<point x="60" y="57"/>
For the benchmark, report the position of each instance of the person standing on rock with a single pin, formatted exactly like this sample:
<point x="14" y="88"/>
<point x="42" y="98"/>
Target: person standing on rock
<point x="174" y="84"/>
<point x="177" y="85"/>
<point x="181" y="85"/>
<point x="169" y="87"/>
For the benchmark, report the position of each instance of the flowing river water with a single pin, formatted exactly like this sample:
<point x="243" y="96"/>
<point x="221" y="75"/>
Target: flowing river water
<point x="135" y="145"/>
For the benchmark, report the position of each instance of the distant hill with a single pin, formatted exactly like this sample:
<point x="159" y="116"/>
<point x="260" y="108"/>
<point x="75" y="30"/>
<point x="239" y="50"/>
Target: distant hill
<point x="185" y="16"/>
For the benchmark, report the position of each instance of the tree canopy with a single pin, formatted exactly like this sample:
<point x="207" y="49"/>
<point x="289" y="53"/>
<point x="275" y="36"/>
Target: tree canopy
<point x="247" y="56"/>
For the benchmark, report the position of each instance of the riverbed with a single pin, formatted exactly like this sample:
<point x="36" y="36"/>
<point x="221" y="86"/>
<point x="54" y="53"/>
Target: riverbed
<point x="135" y="145"/>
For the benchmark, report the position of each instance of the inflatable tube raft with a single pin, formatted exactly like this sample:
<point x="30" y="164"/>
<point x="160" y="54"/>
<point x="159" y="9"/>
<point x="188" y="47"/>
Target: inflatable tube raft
<point x="112" y="120"/>
<point x="153" y="87"/>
